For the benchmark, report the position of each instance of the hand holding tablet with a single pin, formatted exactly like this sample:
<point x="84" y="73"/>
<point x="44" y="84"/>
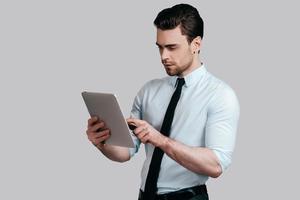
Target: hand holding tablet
<point x="106" y="107"/>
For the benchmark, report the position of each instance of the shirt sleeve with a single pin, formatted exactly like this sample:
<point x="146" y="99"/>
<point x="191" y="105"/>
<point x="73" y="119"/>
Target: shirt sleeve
<point x="221" y="127"/>
<point x="136" y="112"/>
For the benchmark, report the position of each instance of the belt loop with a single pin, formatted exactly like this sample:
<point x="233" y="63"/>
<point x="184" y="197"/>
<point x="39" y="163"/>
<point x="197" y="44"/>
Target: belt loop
<point x="140" y="195"/>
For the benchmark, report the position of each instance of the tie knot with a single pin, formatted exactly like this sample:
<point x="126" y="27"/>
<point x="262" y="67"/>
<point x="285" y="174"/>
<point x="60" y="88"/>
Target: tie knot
<point x="180" y="82"/>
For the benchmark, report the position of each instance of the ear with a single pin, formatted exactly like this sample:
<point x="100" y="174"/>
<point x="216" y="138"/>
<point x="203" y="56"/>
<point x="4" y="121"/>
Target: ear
<point x="196" y="44"/>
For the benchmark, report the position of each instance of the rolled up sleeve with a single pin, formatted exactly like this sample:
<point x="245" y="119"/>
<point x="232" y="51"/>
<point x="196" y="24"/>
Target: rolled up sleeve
<point x="222" y="122"/>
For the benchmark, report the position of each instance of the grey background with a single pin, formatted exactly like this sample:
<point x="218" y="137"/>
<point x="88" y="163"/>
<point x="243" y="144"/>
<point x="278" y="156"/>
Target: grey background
<point x="50" y="51"/>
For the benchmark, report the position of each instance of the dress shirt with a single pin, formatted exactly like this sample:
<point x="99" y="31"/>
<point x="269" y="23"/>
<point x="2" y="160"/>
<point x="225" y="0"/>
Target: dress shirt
<point x="206" y="115"/>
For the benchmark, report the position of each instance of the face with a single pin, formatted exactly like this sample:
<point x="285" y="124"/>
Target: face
<point x="177" y="55"/>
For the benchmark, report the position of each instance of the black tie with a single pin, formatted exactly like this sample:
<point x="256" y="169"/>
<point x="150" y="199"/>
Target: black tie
<point x="151" y="181"/>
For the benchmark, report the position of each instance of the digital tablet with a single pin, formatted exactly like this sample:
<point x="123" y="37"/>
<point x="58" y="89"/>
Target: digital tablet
<point x="106" y="107"/>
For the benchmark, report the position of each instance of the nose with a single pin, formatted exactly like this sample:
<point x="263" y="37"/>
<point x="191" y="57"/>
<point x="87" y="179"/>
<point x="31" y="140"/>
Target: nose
<point x="164" y="53"/>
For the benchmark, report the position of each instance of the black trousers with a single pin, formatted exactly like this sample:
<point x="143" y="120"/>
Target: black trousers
<point x="192" y="193"/>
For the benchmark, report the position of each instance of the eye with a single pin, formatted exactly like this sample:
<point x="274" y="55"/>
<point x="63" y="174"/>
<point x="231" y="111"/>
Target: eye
<point x="172" y="47"/>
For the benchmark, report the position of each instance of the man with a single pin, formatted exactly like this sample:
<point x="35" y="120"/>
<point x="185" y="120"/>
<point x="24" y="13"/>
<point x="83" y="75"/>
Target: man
<point x="187" y="121"/>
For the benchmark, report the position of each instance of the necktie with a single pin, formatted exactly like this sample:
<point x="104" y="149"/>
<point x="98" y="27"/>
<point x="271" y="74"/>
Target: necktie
<point x="151" y="181"/>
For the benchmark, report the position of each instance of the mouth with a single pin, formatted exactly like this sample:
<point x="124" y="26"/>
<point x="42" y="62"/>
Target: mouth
<point x="167" y="64"/>
<point x="168" y="68"/>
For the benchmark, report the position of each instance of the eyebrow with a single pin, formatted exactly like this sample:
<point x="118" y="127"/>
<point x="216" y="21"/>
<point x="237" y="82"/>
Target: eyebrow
<point x="167" y="45"/>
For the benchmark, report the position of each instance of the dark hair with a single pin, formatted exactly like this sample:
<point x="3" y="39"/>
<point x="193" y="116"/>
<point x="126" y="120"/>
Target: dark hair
<point x="185" y="15"/>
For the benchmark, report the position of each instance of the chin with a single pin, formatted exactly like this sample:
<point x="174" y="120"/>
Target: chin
<point x="170" y="73"/>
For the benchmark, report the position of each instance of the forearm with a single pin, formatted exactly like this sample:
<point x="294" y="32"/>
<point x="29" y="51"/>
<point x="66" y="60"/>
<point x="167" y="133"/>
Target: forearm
<point x="115" y="153"/>
<point x="197" y="159"/>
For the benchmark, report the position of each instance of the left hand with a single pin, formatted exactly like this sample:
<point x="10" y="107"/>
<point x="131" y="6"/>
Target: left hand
<point x="145" y="132"/>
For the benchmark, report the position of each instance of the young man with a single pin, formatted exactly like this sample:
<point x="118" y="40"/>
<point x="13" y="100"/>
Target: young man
<point x="187" y="120"/>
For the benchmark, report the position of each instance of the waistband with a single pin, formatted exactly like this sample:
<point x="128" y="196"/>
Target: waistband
<point x="182" y="194"/>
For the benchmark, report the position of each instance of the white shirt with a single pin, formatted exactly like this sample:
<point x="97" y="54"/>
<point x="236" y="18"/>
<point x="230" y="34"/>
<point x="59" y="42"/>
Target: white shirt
<point x="206" y="115"/>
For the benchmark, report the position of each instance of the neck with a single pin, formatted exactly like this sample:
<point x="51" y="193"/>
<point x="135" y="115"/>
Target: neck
<point x="195" y="65"/>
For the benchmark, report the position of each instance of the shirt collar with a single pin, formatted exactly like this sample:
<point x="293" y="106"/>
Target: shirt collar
<point x="190" y="78"/>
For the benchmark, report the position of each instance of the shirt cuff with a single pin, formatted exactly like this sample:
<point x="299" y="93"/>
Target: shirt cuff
<point x="224" y="159"/>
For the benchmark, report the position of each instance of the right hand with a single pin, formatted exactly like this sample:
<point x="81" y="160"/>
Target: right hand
<point x="97" y="132"/>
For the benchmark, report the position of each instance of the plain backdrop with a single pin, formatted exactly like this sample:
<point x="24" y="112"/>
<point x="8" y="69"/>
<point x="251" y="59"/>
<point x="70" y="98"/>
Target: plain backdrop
<point x="50" y="51"/>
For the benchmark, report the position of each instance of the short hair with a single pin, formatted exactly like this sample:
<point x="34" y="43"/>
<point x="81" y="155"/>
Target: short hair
<point x="185" y="15"/>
